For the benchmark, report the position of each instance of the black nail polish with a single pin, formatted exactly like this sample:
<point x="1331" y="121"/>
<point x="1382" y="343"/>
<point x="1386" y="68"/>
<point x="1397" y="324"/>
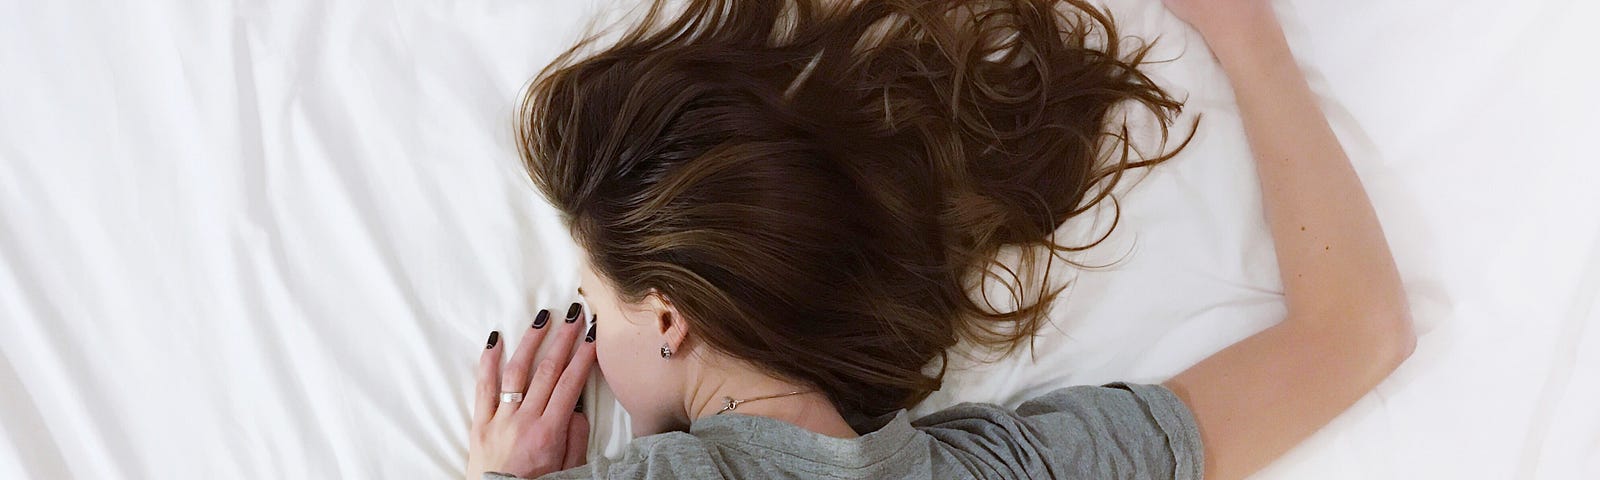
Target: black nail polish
<point x="589" y="337"/>
<point x="573" y="312"/>
<point x="542" y="318"/>
<point x="494" y="337"/>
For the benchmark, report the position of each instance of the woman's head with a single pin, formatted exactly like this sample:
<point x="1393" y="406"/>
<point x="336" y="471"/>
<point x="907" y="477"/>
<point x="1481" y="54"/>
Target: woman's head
<point x="812" y="188"/>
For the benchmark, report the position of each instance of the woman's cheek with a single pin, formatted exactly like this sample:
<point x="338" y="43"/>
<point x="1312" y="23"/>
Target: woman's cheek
<point x="603" y="353"/>
<point x="614" y="358"/>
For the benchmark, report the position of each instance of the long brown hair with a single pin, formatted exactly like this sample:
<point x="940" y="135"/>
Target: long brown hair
<point x="815" y="185"/>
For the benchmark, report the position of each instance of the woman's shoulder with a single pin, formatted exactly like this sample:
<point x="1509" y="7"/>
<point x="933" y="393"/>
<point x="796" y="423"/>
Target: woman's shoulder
<point x="1122" y="427"/>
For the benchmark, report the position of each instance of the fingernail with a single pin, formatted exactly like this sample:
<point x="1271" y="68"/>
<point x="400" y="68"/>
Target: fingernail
<point x="589" y="337"/>
<point x="573" y="311"/>
<point x="494" y="337"/>
<point x="542" y="318"/>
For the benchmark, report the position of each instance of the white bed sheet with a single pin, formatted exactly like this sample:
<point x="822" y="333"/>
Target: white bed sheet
<point x="266" y="239"/>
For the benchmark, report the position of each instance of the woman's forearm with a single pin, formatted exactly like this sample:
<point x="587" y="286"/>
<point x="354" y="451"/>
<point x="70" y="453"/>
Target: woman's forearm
<point x="1333" y="258"/>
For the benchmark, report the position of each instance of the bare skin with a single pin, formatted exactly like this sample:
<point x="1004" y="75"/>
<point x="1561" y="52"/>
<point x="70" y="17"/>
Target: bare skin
<point x="811" y="410"/>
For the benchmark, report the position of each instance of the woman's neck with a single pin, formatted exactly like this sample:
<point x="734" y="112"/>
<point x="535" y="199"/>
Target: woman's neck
<point x="810" y="410"/>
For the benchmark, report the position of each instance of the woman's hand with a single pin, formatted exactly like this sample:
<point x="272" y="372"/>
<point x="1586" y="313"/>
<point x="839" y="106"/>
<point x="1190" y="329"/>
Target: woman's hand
<point x="543" y="433"/>
<point x="1225" y="24"/>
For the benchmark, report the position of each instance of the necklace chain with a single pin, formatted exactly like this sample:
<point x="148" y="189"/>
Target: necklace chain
<point x="730" y="403"/>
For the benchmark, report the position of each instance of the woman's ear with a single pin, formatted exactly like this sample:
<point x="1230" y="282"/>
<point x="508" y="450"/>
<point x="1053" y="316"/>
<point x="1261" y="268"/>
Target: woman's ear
<point x="668" y="322"/>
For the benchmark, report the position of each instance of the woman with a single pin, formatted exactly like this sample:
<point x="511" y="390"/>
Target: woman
<point x="783" y="206"/>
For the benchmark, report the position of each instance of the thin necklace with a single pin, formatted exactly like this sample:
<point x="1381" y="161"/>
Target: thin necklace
<point x="730" y="403"/>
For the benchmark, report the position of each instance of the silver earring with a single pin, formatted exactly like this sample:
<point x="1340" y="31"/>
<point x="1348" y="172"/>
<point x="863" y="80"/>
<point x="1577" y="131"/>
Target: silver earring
<point x="666" y="352"/>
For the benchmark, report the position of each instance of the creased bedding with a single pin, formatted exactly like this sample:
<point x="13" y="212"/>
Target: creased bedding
<point x="266" y="239"/>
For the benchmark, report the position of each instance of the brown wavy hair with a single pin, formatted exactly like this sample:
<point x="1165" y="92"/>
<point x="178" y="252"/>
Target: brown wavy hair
<point x="816" y="185"/>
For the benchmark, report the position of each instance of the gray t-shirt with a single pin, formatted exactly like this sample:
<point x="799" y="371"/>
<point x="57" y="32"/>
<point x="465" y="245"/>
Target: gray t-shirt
<point x="1118" y="430"/>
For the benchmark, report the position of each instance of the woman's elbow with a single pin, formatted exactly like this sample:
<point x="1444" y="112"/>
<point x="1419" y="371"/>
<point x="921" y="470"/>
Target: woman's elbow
<point x="1395" y="335"/>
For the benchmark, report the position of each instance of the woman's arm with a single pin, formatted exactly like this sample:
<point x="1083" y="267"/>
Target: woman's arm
<point x="1348" y="324"/>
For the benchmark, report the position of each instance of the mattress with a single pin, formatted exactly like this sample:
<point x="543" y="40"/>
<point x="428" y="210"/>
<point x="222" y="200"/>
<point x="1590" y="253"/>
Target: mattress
<point x="267" y="239"/>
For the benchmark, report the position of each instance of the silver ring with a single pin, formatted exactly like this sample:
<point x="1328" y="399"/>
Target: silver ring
<point x="510" y="397"/>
